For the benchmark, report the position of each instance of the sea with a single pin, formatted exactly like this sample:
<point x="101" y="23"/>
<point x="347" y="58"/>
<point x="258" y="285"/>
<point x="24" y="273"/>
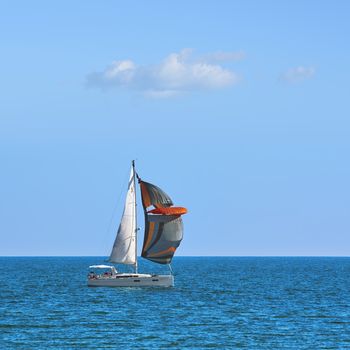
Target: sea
<point x="216" y="303"/>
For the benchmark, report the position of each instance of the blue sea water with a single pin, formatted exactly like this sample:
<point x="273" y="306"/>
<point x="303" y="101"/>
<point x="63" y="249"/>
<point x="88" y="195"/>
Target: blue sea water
<point x="225" y="303"/>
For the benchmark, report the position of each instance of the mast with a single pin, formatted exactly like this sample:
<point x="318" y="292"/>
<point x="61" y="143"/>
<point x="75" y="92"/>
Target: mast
<point x="136" y="229"/>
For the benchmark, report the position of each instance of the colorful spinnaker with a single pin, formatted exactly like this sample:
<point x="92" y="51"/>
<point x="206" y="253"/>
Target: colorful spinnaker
<point x="163" y="224"/>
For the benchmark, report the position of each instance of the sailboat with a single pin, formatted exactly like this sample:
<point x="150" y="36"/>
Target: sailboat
<point x="163" y="234"/>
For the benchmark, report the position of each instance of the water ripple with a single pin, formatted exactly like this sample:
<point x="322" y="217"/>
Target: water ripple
<point x="227" y="303"/>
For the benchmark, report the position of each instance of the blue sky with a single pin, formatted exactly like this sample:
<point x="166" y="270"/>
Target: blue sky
<point x="238" y="109"/>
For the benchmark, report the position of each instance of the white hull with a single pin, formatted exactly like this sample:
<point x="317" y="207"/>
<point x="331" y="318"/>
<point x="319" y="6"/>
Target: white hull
<point x="132" y="280"/>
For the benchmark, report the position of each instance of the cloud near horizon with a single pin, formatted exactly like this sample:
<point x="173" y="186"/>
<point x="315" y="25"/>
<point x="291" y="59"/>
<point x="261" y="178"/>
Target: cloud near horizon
<point x="298" y="74"/>
<point x="176" y="74"/>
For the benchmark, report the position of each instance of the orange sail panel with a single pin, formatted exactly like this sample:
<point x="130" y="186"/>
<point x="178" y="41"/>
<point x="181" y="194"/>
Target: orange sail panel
<point x="169" y="211"/>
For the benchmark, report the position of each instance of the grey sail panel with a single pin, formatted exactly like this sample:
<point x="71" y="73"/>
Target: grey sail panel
<point x="163" y="234"/>
<point x="153" y="195"/>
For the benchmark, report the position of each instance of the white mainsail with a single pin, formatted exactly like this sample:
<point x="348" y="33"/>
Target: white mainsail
<point x="124" y="247"/>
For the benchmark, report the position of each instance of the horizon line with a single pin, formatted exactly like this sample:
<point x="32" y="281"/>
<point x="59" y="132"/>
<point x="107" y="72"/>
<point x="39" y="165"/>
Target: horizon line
<point x="182" y="256"/>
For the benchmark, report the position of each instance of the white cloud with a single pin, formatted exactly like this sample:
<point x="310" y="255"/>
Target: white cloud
<point x="119" y="73"/>
<point x="298" y="74"/>
<point x="177" y="73"/>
